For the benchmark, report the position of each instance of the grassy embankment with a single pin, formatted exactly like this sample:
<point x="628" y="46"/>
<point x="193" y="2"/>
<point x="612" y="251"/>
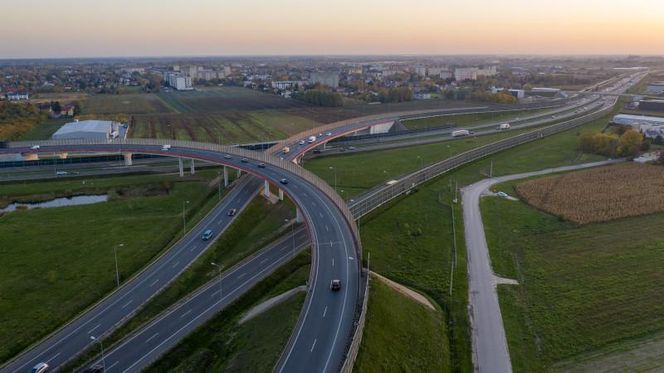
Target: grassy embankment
<point x="412" y="242"/>
<point x="58" y="261"/>
<point x="582" y="288"/>
<point x="464" y="120"/>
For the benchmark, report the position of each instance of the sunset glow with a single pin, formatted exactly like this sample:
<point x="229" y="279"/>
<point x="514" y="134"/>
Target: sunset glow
<point x="212" y="27"/>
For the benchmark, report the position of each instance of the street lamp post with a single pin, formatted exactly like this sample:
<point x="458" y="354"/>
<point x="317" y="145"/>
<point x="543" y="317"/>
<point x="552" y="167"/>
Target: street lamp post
<point x="421" y="162"/>
<point x="292" y="233"/>
<point x="221" y="289"/>
<point x="335" y="177"/>
<point x="117" y="272"/>
<point x="184" y="219"/>
<point x="103" y="360"/>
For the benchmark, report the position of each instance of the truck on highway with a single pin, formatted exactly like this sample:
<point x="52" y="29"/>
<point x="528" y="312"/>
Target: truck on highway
<point x="460" y="133"/>
<point x="311" y="139"/>
<point x="285" y="150"/>
<point x="504" y="126"/>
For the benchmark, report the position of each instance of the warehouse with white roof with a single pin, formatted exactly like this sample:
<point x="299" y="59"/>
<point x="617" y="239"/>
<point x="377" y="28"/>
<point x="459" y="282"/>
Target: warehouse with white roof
<point x="650" y="126"/>
<point x="90" y="129"/>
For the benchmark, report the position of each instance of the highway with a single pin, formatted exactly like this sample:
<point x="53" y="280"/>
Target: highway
<point x="303" y="334"/>
<point x="334" y="256"/>
<point x="490" y="351"/>
<point x="120" y="305"/>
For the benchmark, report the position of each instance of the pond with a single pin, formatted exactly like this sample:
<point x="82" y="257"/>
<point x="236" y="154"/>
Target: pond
<point x="57" y="202"/>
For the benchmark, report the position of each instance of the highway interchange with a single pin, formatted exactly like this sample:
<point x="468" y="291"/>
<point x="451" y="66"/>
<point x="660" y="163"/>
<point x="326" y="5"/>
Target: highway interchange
<point x="312" y="333"/>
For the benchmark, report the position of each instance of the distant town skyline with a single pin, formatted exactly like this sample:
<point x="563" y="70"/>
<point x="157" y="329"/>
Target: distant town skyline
<point x="124" y="28"/>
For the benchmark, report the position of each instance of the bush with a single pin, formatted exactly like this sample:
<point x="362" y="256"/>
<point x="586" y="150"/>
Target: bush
<point x="322" y="98"/>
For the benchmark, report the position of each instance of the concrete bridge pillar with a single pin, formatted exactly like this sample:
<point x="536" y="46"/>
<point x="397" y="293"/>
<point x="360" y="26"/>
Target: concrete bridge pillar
<point x="266" y="189"/>
<point x="127" y="159"/>
<point x="225" y="177"/>
<point x="239" y="173"/>
<point x="30" y="156"/>
<point x="281" y="194"/>
<point x="298" y="216"/>
<point x="181" y="167"/>
<point x="192" y="168"/>
<point x="63" y="155"/>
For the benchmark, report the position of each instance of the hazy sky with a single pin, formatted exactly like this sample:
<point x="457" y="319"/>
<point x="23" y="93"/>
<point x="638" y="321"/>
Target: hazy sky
<point x="84" y="28"/>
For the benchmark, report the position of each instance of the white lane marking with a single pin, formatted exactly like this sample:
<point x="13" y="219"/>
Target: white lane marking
<point x="185" y="314"/>
<point x="192" y="248"/>
<point x="112" y="365"/>
<point x="128" y="303"/>
<point x="153" y="283"/>
<point x="264" y="260"/>
<point x="327" y="229"/>
<point x="93" y="329"/>
<point x="332" y="262"/>
<point x="325" y="312"/>
<point x="242" y="275"/>
<point x="320" y="214"/>
<point x="350" y="258"/>
<point x="151" y="338"/>
<point x="176" y="264"/>
<point x="56" y="355"/>
<point x="313" y="345"/>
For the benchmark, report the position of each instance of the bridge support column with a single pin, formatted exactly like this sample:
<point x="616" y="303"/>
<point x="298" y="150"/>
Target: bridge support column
<point x="239" y="173"/>
<point x="127" y="159"/>
<point x="298" y="216"/>
<point x="192" y="168"/>
<point x="181" y="167"/>
<point x="281" y="194"/>
<point x="266" y="190"/>
<point x="225" y="177"/>
<point x="64" y="155"/>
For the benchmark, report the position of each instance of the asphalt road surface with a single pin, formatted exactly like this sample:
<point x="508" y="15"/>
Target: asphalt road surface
<point x="490" y="351"/>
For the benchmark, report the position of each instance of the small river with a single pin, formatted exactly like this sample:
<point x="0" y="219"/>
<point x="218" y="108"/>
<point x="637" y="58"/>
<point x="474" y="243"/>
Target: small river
<point x="57" y="202"/>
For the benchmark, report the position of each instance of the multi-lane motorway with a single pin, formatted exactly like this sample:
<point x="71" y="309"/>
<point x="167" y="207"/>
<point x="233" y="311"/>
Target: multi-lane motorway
<point x="315" y="332"/>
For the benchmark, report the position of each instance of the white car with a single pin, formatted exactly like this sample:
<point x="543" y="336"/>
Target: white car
<point x="35" y="147"/>
<point x="166" y="147"/>
<point x="39" y="368"/>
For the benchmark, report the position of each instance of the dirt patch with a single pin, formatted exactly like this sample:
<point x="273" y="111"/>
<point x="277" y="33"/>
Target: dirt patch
<point x="412" y="294"/>
<point x="599" y="194"/>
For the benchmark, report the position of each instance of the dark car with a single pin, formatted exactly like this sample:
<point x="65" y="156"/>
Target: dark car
<point x="284" y="181"/>
<point x="316" y="151"/>
<point x="207" y="235"/>
<point x="261" y="165"/>
<point x="232" y="212"/>
<point x="227" y="156"/>
<point x="244" y="160"/>
<point x="335" y="285"/>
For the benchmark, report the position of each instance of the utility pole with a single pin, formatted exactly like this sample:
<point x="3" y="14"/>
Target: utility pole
<point x="103" y="360"/>
<point x="117" y="272"/>
<point x="221" y="289"/>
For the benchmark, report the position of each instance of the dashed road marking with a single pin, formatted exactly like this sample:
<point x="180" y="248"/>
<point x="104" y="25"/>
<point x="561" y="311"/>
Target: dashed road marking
<point x="151" y="338"/>
<point x="325" y="312"/>
<point x="93" y="329"/>
<point x="175" y="264"/>
<point x="313" y="345"/>
<point x="153" y="283"/>
<point x="128" y="303"/>
<point x="185" y="314"/>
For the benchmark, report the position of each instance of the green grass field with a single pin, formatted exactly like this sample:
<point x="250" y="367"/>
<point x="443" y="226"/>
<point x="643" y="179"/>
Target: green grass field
<point x="463" y="120"/>
<point x="44" y="131"/>
<point x="582" y="288"/>
<point x="58" y="261"/>
<point x="222" y="345"/>
<point x="393" y="319"/>
<point x="133" y="103"/>
<point x="230" y="127"/>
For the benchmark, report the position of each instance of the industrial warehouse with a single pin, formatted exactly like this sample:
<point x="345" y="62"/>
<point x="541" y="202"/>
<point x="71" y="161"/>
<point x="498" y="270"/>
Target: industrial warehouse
<point x="91" y="129"/>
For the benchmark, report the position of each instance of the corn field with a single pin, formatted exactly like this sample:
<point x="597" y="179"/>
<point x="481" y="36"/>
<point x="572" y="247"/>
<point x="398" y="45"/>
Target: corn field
<point x="600" y="194"/>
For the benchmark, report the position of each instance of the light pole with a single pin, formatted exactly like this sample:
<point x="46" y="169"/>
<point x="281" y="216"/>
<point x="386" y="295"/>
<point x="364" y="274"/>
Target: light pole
<point x="292" y="233"/>
<point x="184" y="219"/>
<point x="335" y="177"/>
<point x="219" y="185"/>
<point x="421" y="164"/>
<point x="103" y="360"/>
<point x="221" y="289"/>
<point x="117" y="272"/>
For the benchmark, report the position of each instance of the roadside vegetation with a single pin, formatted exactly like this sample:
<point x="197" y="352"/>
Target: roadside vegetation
<point x="223" y="345"/>
<point x="581" y="288"/>
<point x="58" y="261"/>
<point x="391" y="319"/>
<point x="462" y="120"/>
<point x="17" y="119"/>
